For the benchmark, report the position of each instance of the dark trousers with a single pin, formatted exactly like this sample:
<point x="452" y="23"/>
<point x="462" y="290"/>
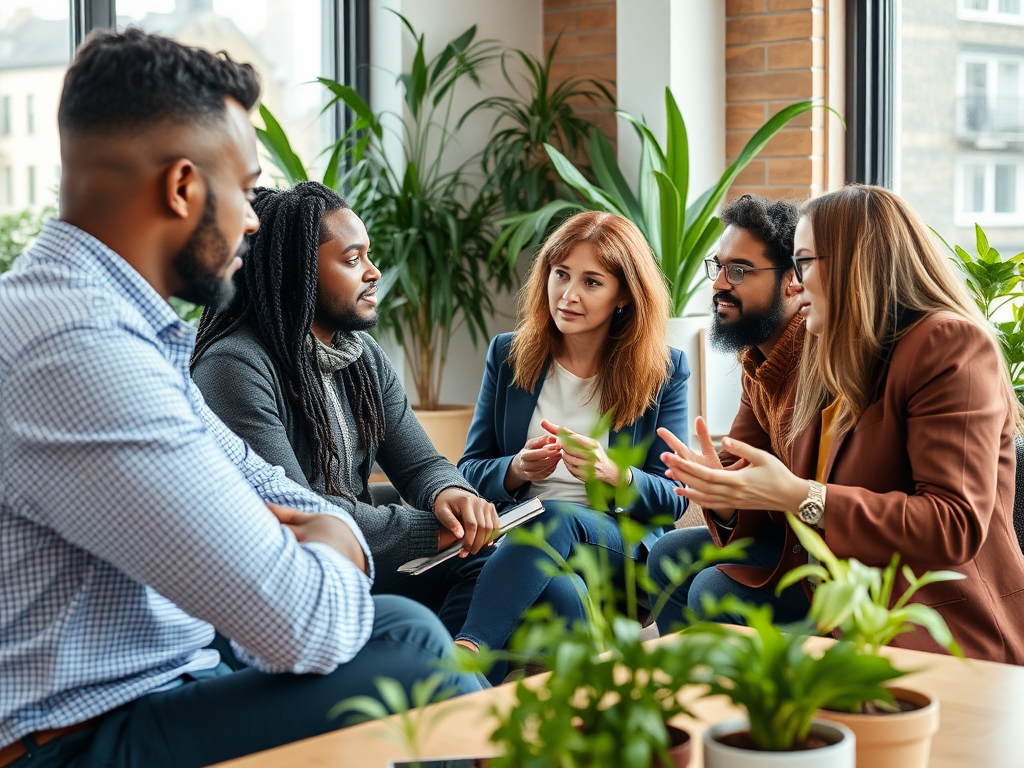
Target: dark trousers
<point x="223" y="716"/>
<point x="446" y="589"/>
<point x="792" y="605"/>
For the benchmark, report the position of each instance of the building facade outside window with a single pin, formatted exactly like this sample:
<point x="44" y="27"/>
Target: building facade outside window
<point x="30" y="114"/>
<point x="960" y="150"/>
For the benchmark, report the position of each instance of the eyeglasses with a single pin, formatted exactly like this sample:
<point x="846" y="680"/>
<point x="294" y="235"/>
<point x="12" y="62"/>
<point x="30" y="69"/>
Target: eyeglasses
<point x="799" y="265"/>
<point x="734" y="273"/>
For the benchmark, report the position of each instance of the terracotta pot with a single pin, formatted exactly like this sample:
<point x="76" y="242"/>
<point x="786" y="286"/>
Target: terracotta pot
<point x="838" y="754"/>
<point x="447" y="428"/>
<point x="893" y="739"/>
<point x="680" y="749"/>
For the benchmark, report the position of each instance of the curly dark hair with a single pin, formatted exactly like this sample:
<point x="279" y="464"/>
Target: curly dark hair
<point x="773" y="222"/>
<point x="277" y="298"/>
<point x="122" y="82"/>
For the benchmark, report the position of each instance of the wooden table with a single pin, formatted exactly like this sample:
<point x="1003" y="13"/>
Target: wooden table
<point x="981" y="709"/>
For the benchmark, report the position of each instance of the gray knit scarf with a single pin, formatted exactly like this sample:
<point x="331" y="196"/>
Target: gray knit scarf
<point x="345" y="349"/>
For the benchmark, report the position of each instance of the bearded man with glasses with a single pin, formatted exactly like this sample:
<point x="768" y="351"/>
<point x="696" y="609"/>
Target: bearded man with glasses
<point x="755" y="315"/>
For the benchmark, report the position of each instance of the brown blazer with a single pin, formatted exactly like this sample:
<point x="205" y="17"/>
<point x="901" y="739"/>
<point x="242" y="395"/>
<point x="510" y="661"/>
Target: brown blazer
<point x="928" y="471"/>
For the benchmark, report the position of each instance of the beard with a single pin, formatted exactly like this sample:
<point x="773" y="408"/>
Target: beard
<point x="343" y="316"/>
<point x="750" y="328"/>
<point x="203" y="284"/>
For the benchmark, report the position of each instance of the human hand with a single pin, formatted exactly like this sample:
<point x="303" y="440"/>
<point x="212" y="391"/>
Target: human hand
<point x="536" y="461"/>
<point x="467" y="517"/>
<point x="324" y="529"/>
<point x="763" y="482"/>
<point x="581" y="454"/>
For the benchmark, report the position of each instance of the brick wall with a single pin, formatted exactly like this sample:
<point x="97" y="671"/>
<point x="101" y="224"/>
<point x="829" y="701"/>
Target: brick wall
<point x="775" y="55"/>
<point x="586" y="47"/>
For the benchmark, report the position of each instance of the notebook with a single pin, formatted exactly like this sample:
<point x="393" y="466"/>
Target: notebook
<point x="511" y="518"/>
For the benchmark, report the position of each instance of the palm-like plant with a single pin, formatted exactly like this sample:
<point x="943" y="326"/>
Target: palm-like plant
<point x="679" y="234"/>
<point x="515" y="162"/>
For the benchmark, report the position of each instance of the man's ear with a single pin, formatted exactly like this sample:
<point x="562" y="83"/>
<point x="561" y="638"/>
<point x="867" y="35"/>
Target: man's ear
<point x="790" y="277"/>
<point x="184" y="189"/>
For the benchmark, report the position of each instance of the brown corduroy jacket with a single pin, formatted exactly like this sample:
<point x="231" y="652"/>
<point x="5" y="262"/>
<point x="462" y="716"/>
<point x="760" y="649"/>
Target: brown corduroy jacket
<point x="928" y="471"/>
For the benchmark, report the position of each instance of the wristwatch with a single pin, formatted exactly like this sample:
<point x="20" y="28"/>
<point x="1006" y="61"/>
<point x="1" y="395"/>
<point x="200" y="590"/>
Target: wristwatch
<point x="813" y="507"/>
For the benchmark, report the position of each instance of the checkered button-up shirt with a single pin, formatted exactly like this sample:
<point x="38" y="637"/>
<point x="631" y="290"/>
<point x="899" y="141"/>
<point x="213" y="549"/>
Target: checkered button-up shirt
<point x="132" y="521"/>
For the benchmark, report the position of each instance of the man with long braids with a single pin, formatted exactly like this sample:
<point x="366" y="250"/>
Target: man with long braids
<point x="133" y="523"/>
<point x="287" y="368"/>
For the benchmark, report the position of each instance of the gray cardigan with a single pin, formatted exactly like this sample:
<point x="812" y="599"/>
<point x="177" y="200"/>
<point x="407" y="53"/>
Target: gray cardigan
<point x="241" y="384"/>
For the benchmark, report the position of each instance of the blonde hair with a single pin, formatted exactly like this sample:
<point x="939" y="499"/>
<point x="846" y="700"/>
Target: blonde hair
<point x="634" y="360"/>
<point x="881" y="271"/>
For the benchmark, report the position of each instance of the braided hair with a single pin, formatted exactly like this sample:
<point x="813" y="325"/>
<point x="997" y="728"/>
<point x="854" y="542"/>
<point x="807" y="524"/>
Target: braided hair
<point x="277" y="298"/>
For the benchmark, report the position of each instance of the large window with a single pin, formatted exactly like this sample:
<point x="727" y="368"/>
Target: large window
<point x="35" y="48"/>
<point x="959" y="117"/>
<point x="290" y="42"/>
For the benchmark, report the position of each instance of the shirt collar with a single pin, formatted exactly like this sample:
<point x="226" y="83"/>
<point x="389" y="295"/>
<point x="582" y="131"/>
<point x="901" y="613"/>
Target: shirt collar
<point x="64" y="242"/>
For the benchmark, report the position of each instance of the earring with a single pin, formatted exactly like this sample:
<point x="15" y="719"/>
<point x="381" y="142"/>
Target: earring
<point x="619" y="310"/>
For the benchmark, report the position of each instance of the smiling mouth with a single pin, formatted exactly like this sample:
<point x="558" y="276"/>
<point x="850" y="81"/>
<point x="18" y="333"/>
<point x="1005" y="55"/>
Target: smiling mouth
<point x="569" y="312"/>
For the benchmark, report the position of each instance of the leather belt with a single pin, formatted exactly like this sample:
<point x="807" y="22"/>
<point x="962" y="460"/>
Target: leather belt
<point x="12" y="752"/>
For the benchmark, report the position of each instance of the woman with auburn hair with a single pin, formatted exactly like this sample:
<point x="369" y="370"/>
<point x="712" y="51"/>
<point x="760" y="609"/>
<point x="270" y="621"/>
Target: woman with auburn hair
<point x="590" y="343"/>
<point x="902" y="429"/>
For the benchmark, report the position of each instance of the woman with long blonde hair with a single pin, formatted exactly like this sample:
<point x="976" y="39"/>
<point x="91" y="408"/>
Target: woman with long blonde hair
<point x="902" y="429"/>
<point x="590" y="343"/>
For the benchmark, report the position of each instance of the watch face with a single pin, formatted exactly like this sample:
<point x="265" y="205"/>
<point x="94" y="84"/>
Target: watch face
<point x="810" y="513"/>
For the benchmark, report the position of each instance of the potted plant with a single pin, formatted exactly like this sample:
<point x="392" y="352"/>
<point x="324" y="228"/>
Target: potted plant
<point x="857" y="602"/>
<point x="610" y="698"/>
<point x="767" y="672"/>
<point x="515" y="161"/>
<point x="681" y="235"/>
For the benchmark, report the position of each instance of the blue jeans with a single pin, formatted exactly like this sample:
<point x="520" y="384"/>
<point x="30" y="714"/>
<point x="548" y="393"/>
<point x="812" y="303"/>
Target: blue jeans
<point x="512" y="580"/>
<point x="791" y="605"/>
<point x="222" y="716"/>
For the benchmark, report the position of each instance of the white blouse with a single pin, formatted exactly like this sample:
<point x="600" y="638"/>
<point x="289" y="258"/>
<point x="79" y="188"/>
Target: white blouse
<point x="566" y="400"/>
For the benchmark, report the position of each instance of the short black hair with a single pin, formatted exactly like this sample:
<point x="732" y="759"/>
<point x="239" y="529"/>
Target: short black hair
<point x="123" y="82"/>
<point x="773" y="222"/>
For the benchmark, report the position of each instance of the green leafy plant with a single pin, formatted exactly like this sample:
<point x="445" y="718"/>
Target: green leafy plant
<point x="680" y="235"/>
<point x="610" y="696"/>
<point x="767" y="672"/>
<point x="540" y="112"/>
<point x="18" y="231"/>
<point x="413" y="719"/>
<point x="856" y="598"/>
<point x="994" y="282"/>
<point x="431" y="228"/>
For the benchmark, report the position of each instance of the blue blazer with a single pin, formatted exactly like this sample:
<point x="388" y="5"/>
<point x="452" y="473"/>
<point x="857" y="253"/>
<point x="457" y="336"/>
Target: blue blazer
<point x="502" y="418"/>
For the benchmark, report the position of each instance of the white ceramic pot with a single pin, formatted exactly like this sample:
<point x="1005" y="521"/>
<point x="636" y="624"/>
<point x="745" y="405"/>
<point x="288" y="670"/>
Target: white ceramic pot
<point x="841" y="752"/>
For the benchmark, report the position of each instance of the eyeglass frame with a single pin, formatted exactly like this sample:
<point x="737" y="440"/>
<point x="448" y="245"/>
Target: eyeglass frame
<point x="715" y="263"/>
<point x="798" y="270"/>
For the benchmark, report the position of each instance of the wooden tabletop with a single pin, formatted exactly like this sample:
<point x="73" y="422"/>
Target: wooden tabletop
<point x="981" y="712"/>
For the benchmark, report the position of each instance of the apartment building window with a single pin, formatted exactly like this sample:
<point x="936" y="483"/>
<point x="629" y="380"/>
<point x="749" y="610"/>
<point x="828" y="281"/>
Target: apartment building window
<point x="5" y="116"/>
<point x="30" y="114"/>
<point x="31" y="185"/>
<point x="989" y="191"/>
<point x="9" y="186"/>
<point x="995" y="11"/>
<point x="990" y="91"/>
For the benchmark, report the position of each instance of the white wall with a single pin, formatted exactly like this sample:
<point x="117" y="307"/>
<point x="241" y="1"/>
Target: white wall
<point x="517" y="24"/>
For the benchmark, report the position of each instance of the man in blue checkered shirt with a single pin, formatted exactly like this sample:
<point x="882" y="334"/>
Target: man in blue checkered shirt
<point x="133" y="523"/>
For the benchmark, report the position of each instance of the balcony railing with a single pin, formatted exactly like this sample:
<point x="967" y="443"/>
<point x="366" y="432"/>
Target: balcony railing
<point x="981" y="117"/>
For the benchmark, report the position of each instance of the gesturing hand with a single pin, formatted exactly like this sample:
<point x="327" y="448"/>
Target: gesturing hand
<point x="324" y="529"/>
<point x="580" y="453"/>
<point x="536" y="461"/>
<point x="467" y="517"/>
<point x="763" y="482"/>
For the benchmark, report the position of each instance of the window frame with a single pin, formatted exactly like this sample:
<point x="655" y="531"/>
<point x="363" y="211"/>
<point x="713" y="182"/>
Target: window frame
<point x="992" y="16"/>
<point x="346" y="37"/>
<point x="988" y="217"/>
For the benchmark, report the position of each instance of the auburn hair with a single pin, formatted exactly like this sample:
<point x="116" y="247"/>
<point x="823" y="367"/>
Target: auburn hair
<point x="635" y="361"/>
<point x="881" y="271"/>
